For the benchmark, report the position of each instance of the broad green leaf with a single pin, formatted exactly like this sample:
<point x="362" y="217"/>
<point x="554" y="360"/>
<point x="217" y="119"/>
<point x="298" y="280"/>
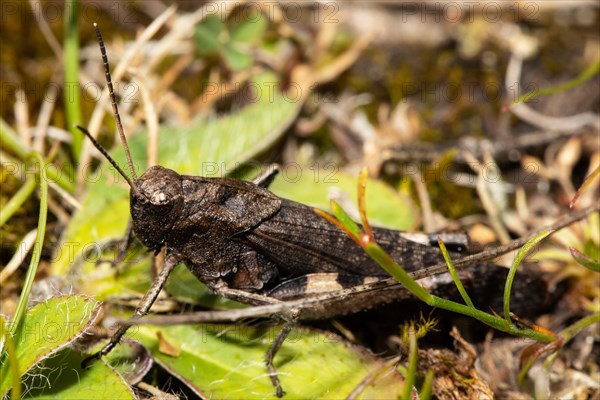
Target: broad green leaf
<point x="236" y="59"/>
<point x="209" y="148"/>
<point x="207" y="35"/>
<point x="249" y="29"/>
<point x="47" y="328"/>
<point x="61" y="377"/>
<point x="227" y="362"/>
<point x="312" y="186"/>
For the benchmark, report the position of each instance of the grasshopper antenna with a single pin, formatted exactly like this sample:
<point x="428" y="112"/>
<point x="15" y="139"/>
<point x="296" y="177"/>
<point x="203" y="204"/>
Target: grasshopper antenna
<point x="110" y="159"/>
<point x="118" y="119"/>
<point x="114" y="101"/>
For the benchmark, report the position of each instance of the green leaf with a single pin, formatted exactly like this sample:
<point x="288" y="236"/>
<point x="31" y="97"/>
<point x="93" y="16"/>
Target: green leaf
<point x="250" y="29"/>
<point x="585" y="260"/>
<point x="207" y="35"/>
<point x="312" y="186"/>
<point x="228" y="362"/>
<point x="350" y="226"/>
<point x="61" y="377"/>
<point x="236" y="59"/>
<point x="47" y="328"/>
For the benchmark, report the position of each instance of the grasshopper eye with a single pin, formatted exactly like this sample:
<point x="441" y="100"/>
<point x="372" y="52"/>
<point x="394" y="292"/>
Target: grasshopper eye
<point x="160" y="203"/>
<point x="159" y="198"/>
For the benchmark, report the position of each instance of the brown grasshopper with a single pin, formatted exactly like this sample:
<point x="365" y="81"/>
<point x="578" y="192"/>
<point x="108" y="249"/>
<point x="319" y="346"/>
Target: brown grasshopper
<point x="249" y="245"/>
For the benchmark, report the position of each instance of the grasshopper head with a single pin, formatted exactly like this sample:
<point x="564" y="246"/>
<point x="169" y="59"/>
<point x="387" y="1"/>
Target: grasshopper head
<point x="156" y="205"/>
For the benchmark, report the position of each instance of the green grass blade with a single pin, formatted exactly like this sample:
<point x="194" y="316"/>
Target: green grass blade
<point x="454" y="275"/>
<point x="345" y="220"/>
<point x="413" y="358"/>
<point x="72" y="95"/>
<point x="584" y="76"/>
<point x="427" y="386"/>
<point x="10" y="140"/>
<point x="17" y="200"/>
<point x="513" y="268"/>
<point x="37" y="248"/>
<point x="583" y="260"/>
<point x="580" y="325"/>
